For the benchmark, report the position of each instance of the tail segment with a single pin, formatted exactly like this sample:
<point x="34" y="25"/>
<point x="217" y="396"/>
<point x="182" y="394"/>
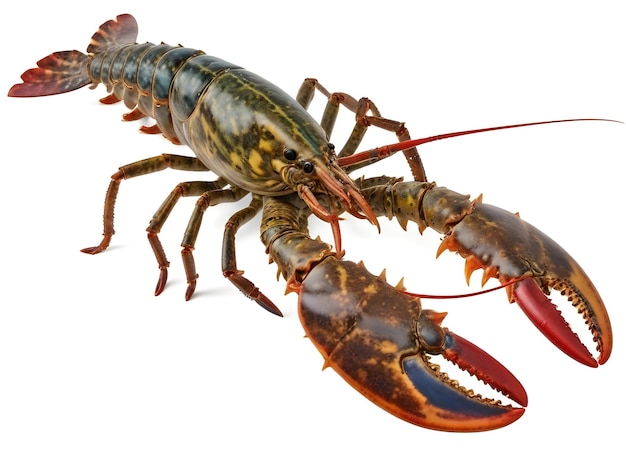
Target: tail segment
<point x="66" y="71"/>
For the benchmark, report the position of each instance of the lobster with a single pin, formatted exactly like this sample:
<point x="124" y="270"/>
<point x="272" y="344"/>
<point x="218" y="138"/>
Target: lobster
<point x="259" y="140"/>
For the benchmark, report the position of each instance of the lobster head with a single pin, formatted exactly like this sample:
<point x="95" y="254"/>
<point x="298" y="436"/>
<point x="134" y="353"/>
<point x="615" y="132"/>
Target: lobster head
<point x="311" y="174"/>
<point x="268" y="143"/>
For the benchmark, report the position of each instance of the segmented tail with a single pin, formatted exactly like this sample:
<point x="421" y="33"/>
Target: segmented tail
<point x="66" y="71"/>
<point x="57" y="73"/>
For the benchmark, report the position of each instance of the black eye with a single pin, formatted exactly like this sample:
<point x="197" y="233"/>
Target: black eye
<point x="290" y="154"/>
<point x="307" y="167"/>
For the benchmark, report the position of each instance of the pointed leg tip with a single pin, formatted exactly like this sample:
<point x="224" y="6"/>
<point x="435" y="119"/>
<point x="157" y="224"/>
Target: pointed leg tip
<point x="161" y="282"/>
<point x="269" y="306"/>
<point x="191" y="288"/>
<point x="94" y="249"/>
<point x="104" y="244"/>
<point x="251" y="291"/>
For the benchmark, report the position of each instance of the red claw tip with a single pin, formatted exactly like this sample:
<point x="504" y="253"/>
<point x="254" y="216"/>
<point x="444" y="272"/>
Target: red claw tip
<point x="547" y="318"/>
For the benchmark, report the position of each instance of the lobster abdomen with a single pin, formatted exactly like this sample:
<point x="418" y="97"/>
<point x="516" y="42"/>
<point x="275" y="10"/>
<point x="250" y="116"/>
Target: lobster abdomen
<point x="142" y="75"/>
<point x="237" y="123"/>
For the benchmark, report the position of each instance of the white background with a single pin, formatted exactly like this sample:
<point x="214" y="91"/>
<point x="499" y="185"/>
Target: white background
<point x="91" y="360"/>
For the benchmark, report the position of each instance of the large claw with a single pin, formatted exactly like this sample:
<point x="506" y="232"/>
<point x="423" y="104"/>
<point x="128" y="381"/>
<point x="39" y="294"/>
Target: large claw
<point x="508" y="247"/>
<point x="379" y="340"/>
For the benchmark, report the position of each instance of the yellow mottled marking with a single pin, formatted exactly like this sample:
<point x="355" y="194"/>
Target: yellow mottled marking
<point x="343" y="279"/>
<point x="371" y="289"/>
<point x="266" y="146"/>
<point x="388" y="347"/>
<point x="277" y="165"/>
<point x="235" y="160"/>
<point x="256" y="163"/>
<point x="408" y="202"/>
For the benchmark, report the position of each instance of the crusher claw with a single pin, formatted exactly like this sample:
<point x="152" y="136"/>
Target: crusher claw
<point x="507" y="247"/>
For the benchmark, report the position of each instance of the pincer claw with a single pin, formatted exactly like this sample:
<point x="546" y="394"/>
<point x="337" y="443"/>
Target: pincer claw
<point x="379" y="340"/>
<point x="451" y="406"/>
<point x="509" y="248"/>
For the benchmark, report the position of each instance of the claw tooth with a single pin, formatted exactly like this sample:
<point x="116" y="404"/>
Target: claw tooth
<point x="383" y="275"/>
<point x="434" y="316"/>
<point x="510" y="292"/>
<point x="400" y="285"/>
<point x="472" y="263"/>
<point x="403" y="222"/>
<point x="490" y="272"/>
<point x="448" y="243"/>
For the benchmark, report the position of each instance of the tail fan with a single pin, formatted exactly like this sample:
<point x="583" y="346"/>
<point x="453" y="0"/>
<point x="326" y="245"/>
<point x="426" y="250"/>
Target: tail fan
<point x="57" y="73"/>
<point x="114" y="33"/>
<point x="66" y="71"/>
